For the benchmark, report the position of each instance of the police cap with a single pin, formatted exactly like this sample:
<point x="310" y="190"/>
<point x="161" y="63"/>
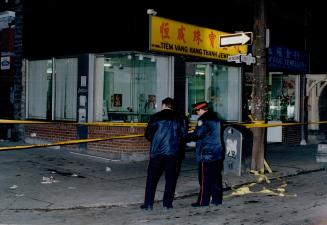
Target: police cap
<point x="200" y="105"/>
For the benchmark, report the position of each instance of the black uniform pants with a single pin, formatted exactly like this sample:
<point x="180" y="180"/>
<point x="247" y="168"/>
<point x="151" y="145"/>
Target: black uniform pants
<point x="155" y="169"/>
<point x="210" y="181"/>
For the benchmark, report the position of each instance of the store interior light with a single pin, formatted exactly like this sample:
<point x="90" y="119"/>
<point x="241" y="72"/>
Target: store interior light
<point x="108" y="65"/>
<point x="140" y="57"/>
<point x="199" y="73"/>
<point x="153" y="59"/>
<point x="129" y="57"/>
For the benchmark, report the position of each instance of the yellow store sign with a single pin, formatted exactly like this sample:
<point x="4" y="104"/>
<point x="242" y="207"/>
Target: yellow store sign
<point x="175" y="37"/>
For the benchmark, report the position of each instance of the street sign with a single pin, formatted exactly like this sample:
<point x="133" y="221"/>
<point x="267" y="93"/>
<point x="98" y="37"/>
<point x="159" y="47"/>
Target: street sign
<point x="248" y="59"/>
<point x="236" y="39"/>
<point x="234" y="58"/>
<point x="5" y="63"/>
<point x="239" y="58"/>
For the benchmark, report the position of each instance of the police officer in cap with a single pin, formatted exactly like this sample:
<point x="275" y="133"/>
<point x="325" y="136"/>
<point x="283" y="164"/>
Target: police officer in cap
<point x="209" y="155"/>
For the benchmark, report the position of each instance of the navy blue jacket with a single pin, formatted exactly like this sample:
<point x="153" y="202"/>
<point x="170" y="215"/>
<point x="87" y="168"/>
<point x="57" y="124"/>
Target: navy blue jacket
<point x="166" y="130"/>
<point x="207" y="137"/>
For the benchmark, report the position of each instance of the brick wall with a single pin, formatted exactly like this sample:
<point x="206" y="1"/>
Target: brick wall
<point x="55" y="132"/>
<point x="292" y="134"/>
<point x="128" y="145"/>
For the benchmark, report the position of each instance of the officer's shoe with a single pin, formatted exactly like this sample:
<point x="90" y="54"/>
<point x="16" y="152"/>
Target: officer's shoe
<point x="146" y="207"/>
<point x="216" y="203"/>
<point x="196" y="204"/>
<point x="167" y="208"/>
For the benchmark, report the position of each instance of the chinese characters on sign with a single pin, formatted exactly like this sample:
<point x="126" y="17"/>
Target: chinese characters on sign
<point x="164" y="30"/>
<point x="181" y="34"/>
<point x="286" y="58"/>
<point x="181" y="38"/>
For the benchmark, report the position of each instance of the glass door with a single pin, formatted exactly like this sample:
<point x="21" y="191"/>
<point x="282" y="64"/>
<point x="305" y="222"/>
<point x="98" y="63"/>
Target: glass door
<point x="219" y="85"/>
<point x="198" y="81"/>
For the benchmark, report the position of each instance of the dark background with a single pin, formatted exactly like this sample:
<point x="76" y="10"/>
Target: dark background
<point x="60" y="27"/>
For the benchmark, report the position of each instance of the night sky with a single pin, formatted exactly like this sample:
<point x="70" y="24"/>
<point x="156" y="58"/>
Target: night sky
<point x="71" y="27"/>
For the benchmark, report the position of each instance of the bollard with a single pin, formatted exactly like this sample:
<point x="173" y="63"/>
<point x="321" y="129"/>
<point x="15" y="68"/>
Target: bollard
<point x="321" y="156"/>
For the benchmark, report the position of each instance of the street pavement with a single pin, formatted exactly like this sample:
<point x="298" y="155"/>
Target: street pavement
<point x="50" y="179"/>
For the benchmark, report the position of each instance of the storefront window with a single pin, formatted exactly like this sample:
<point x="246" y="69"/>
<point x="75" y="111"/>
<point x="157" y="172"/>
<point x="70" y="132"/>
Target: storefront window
<point x="65" y="89"/>
<point x="52" y="96"/>
<point x="38" y="89"/>
<point x="283" y="91"/>
<point x="219" y="85"/>
<point x="196" y="84"/>
<point x="131" y="83"/>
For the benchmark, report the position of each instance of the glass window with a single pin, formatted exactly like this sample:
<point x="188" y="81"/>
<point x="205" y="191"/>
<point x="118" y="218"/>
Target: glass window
<point x="66" y="89"/>
<point x="225" y="91"/>
<point x="130" y="86"/>
<point x="39" y="88"/>
<point x="196" y="84"/>
<point x="219" y="85"/>
<point x="49" y="96"/>
<point x="282" y="97"/>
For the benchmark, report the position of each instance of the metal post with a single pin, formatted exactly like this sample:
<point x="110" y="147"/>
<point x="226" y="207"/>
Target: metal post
<point x="303" y="78"/>
<point x="303" y="94"/>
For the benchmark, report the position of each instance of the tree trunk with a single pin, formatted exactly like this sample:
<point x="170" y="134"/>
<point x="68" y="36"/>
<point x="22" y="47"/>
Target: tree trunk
<point x="259" y="87"/>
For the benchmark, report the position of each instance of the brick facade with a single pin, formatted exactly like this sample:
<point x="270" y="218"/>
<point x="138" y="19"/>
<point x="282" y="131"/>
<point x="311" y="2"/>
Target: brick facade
<point x="126" y="145"/>
<point x="116" y="148"/>
<point x="291" y="135"/>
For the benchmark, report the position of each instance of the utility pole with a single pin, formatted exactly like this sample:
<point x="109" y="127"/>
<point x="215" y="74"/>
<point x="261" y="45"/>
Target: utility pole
<point x="18" y="82"/>
<point x="259" y="83"/>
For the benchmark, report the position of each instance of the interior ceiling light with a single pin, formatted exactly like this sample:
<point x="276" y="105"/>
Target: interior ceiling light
<point x="140" y="57"/>
<point x="108" y="65"/>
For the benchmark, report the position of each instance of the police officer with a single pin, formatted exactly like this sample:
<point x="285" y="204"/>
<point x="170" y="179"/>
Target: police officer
<point x="209" y="155"/>
<point x="166" y="131"/>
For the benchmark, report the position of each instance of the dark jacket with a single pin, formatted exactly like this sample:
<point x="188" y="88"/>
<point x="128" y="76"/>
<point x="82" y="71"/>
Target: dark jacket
<point x="166" y="130"/>
<point x="207" y="137"/>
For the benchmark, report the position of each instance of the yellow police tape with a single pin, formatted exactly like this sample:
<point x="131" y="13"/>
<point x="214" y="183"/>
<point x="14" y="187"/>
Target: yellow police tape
<point x="254" y="123"/>
<point x="116" y="124"/>
<point x="22" y="122"/>
<point x="68" y="142"/>
<point x="250" y="188"/>
<point x="125" y="124"/>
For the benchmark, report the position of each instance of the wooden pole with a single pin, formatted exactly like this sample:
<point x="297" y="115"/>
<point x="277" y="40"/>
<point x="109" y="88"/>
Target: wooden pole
<point x="259" y="86"/>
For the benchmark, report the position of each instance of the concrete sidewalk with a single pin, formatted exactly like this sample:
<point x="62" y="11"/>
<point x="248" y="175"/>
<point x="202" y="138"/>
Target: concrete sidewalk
<point x="47" y="179"/>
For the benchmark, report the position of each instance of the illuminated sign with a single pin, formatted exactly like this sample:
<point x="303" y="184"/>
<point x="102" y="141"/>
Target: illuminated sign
<point x="170" y="36"/>
<point x="280" y="57"/>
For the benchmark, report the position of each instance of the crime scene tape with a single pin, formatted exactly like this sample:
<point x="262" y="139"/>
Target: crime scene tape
<point x="119" y="124"/>
<point x="253" y="124"/>
<point x="261" y="178"/>
<point x="68" y="142"/>
<point x="23" y="122"/>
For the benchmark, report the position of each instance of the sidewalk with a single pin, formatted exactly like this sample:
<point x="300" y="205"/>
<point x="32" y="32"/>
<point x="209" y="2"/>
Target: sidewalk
<point x="85" y="181"/>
